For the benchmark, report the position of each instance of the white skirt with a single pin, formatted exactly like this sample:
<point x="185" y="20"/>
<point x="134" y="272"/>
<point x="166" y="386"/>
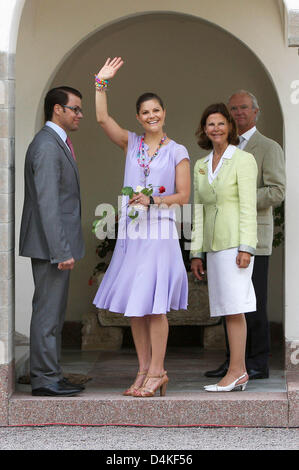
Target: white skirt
<point x="230" y="288"/>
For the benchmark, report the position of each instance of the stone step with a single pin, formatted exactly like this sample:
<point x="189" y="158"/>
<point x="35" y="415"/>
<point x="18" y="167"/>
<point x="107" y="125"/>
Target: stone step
<point x="271" y="402"/>
<point x="175" y="409"/>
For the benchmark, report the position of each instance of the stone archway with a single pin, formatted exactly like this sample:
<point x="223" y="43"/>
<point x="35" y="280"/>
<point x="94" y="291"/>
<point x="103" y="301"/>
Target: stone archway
<point x="7" y="75"/>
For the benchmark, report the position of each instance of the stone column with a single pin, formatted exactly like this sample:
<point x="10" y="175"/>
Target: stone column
<point x="292" y="297"/>
<point x="10" y="14"/>
<point x="7" y="103"/>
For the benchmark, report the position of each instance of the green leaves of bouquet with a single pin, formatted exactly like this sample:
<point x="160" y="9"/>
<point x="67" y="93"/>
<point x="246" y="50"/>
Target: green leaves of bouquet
<point x="129" y="191"/>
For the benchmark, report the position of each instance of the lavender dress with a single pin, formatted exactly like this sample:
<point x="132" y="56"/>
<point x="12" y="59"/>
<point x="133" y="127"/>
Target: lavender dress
<point x="146" y="274"/>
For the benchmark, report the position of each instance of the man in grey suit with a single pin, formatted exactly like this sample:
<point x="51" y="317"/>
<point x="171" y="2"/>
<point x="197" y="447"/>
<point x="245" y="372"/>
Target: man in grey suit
<point x="270" y="193"/>
<point x="51" y="235"/>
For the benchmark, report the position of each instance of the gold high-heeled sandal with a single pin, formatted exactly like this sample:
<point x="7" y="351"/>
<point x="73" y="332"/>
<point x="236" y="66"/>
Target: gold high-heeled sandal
<point x="129" y="392"/>
<point x="144" y="391"/>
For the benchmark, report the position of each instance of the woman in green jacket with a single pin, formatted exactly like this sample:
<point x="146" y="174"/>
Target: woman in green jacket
<point x="225" y="232"/>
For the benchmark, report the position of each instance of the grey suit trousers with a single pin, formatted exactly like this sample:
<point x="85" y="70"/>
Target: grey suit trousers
<point x="48" y="314"/>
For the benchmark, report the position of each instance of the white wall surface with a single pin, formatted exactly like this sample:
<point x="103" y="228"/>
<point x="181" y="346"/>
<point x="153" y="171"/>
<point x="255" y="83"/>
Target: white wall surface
<point x="10" y="12"/>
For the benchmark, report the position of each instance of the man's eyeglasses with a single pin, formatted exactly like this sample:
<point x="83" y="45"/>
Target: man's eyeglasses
<point x="77" y="110"/>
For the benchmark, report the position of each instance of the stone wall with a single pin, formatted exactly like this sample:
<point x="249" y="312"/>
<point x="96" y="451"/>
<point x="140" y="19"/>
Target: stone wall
<point x="7" y="108"/>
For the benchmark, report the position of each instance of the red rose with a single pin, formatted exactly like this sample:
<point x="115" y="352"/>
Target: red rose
<point x="161" y="189"/>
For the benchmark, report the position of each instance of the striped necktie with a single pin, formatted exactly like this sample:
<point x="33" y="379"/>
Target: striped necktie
<point x="70" y="145"/>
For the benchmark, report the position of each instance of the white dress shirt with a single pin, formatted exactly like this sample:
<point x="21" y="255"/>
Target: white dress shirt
<point x="61" y="132"/>
<point x="244" y="138"/>
<point x="230" y="150"/>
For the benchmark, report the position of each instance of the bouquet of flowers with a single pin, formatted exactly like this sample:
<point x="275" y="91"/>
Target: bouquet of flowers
<point x="148" y="191"/>
<point x="102" y="221"/>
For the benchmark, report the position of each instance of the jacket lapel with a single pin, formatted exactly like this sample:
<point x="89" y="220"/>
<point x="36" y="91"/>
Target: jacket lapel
<point x="252" y="143"/>
<point x="65" y="149"/>
<point x="223" y="172"/>
<point x="204" y="172"/>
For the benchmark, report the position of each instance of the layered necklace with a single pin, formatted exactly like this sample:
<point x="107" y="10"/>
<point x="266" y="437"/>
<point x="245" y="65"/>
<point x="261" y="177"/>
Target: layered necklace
<point x="141" y="159"/>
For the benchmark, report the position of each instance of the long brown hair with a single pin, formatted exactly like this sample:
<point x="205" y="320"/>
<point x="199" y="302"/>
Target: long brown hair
<point x="203" y="141"/>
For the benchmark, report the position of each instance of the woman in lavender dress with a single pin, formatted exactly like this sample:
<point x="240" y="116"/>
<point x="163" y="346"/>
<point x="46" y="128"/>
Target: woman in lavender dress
<point x="146" y="277"/>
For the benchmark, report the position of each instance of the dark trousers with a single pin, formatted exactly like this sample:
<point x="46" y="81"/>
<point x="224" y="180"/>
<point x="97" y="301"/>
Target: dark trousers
<point x="48" y="313"/>
<point x="258" y="331"/>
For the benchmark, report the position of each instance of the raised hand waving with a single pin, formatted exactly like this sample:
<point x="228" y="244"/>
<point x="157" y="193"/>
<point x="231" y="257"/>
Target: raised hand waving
<point x="110" y="68"/>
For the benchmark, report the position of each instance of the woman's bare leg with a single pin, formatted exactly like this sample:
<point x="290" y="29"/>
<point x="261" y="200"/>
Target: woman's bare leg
<point x="141" y="337"/>
<point x="236" y="331"/>
<point x="158" y="328"/>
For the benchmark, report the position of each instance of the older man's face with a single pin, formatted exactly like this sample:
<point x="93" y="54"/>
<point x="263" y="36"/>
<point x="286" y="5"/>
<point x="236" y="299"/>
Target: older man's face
<point x="240" y="106"/>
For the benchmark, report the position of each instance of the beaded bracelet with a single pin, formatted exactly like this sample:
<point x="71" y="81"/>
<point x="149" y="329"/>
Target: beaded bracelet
<point x="101" y="85"/>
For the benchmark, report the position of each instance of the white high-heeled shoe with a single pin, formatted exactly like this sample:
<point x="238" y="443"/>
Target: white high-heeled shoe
<point x="233" y="386"/>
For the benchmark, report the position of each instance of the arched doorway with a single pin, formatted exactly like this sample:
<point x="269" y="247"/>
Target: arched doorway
<point x="40" y="58"/>
<point x="178" y="57"/>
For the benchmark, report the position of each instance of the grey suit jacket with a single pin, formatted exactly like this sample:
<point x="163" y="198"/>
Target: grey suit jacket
<point x="51" y="220"/>
<point x="270" y="186"/>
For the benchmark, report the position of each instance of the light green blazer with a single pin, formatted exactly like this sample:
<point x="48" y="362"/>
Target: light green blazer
<point x="225" y="213"/>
